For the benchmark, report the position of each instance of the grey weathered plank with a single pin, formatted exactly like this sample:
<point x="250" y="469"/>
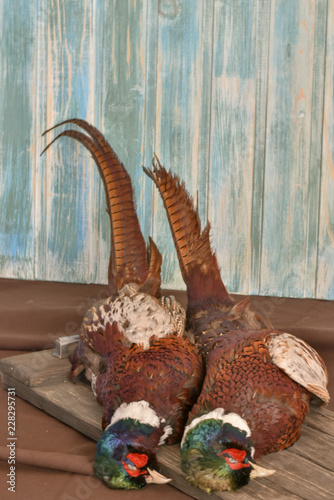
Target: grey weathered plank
<point x="301" y="476"/>
<point x="312" y="447"/>
<point x="37" y="368"/>
<point x="73" y="404"/>
<point x="304" y="471"/>
<point x="321" y="418"/>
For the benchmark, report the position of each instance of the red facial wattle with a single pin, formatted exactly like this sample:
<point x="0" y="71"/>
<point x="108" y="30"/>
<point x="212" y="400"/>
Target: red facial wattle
<point x="139" y="460"/>
<point x="235" y="458"/>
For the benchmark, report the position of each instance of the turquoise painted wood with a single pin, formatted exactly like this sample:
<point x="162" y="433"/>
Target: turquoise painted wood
<point x="325" y="269"/>
<point x="17" y="74"/>
<point x="237" y="97"/>
<point x="292" y="172"/>
<point x="232" y="137"/>
<point x="183" y="109"/>
<point x="121" y="82"/>
<point x="66" y="215"/>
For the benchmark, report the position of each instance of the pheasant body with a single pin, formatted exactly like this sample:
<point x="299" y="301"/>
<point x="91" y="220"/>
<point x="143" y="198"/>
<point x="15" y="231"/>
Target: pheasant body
<point x="242" y="378"/>
<point x="164" y="369"/>
<point x="163" y="373"/>
<point x="133" y="347"/>
<point x="258" y="378"/>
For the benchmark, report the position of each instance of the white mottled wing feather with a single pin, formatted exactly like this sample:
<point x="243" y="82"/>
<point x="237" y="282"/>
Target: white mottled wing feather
<point x="300" y="361"/>
<point x="176" y="312"/>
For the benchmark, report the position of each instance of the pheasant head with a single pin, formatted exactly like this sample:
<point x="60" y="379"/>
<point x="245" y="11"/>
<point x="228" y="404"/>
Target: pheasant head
<point x="216" y="452"/>
<point x="126" y="453"/>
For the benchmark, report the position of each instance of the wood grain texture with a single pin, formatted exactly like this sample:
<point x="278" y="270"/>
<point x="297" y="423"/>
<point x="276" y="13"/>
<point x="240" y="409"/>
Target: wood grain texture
<point x="303" y="471"/>
<point x="122" y="51"/>
<point x="288" y="169"/>
<point x="293" y="162"/>
<point x="232" y="138"/>
<point x="235" y="97"/>
<point x="17" y="75"/>
<point x="325" y="271"/>
<point x="182" y="120"/>
<point x="262" y="19"/>
<point x="66" y="209"/>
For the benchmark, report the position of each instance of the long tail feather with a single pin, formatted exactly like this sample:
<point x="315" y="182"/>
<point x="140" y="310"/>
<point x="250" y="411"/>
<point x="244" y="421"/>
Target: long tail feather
<point x="153" y="281"/>
<point x="90" y="129"/>
<point x="128" y="249"/>
<point x="198" y="263"/>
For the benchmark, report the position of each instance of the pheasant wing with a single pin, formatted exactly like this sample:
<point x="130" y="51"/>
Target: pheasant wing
<point x="300" y="361"/>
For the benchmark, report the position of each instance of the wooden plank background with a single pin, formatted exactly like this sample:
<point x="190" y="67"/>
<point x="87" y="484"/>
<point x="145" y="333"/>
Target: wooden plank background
<point x="237" y="97"/>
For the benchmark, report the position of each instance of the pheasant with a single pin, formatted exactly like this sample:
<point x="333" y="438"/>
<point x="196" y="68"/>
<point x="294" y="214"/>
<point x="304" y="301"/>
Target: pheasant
<point x="258" y="381"/>
<point x="133" y="348"/>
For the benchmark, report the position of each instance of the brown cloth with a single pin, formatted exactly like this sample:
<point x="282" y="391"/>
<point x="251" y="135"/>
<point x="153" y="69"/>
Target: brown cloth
<point x="53" y="461"/>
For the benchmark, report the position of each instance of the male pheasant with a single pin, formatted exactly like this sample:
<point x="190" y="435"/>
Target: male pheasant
<point x="133" y="347"/>
<point x="258" y="381"/>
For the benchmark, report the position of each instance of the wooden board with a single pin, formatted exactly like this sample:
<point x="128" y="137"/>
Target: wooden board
<point x="305" y="471"/>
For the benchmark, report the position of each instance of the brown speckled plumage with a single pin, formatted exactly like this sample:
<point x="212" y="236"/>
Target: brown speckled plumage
<point x="248" y="370"/>
<point x="167" y="375"/>
<point x="133" y="345"/>
<point x="241" y="378"/>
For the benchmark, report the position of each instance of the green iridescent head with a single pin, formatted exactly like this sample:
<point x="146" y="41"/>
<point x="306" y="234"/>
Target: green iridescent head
<point x="216" y="452"/>
<point x="126" y="453"/>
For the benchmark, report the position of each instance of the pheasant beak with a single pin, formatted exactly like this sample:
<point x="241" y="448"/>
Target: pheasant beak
<point x="156" y="477"/>
<point x="260" y="471"/>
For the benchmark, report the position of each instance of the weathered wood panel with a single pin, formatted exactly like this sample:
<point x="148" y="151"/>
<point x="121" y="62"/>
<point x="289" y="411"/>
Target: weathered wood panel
<point x="318" y="109"/>
<point x="291" y="178"/>
<point x="122" y="53"/>
<point x="232" y="137"/>
<point x="67" y="180"/>
<point x="182" y="120"/>
<point x="262" y="12"/>
<point x="236" y="97"/>
<point x="325" y="274"/>
<point x="17" y="76"/>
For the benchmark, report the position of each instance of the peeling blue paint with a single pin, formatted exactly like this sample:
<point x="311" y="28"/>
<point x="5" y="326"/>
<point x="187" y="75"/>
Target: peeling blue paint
<point x="234" y="96"/>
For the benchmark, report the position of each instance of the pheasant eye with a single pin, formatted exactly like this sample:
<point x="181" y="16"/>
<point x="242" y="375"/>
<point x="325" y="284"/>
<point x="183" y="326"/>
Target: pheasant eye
<point x="139" y="459"/>
<point x="130" y="466"/>
<point x="134" y="462"/>
<point x="235" y="458"/>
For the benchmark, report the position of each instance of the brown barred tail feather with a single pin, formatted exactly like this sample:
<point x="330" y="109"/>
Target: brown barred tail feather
<point x="198" y="263"/>
<point x="128" y="249"/>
